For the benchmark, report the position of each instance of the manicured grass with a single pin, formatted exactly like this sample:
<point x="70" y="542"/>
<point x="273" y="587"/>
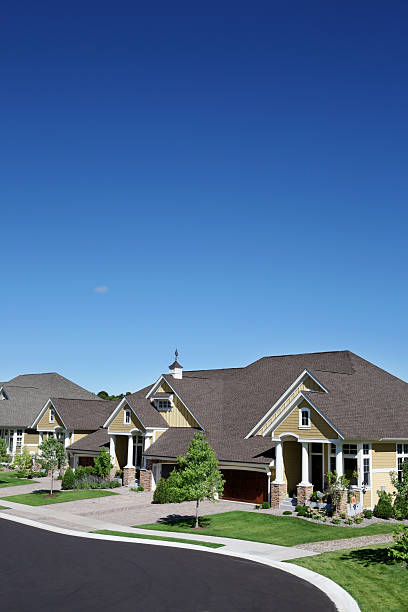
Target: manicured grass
<point x="367" y="574"/>
<point x="283" y="530"/>
<point x="9" y="479"/>
<point x="41" y="498"/>
<point x="163" y="538"/>
<point x="4" y="508"/>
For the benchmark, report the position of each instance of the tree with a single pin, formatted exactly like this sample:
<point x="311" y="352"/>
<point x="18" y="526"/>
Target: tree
<point x="3" y="449"/>
<point x="197" y="475"/>
<point x="52" y="455"/>
<point x="102" y="463"/>
<point x="336" y="485"/>
<point x="23" y="461"/>
<point x="401" y="496"/>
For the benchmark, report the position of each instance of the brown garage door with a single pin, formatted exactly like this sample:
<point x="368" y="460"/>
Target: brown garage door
<point x="241" y="485"/>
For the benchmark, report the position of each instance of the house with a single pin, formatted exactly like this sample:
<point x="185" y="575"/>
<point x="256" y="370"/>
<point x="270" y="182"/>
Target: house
<point x="277" y="426"/>
<point x="21" y="400"/>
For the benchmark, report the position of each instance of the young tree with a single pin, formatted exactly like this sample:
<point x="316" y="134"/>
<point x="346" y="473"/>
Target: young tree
<point x="401" y="496"/>
<point x="52" y="455"/>
<point x="102" y="463"/>
<point x="23" y="461"/>
<point x="3" y="449"/>
<point x="197" y="474"/>
<point x="336" y="485"/>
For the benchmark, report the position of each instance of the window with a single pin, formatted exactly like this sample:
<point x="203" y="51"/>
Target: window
<point x="52" y="415"/>
<point x="163" y="404"/>
<point x="304" y="418"/>
<point x="402" y="456"/>
<point x="350" y="449"/>
<point x="138" y="451"/>
<point x="19" y="439"/>
<point x="127" y="417"/>
<point x="60" y="436"/>
<point x="366" y="449"/>
<point x="366" y="471"/>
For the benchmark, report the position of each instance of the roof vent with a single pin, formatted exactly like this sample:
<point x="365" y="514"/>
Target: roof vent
<point x="175" y="369"/>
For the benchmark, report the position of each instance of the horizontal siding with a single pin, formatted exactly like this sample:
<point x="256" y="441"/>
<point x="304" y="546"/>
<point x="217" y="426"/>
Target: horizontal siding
<point x="381" y="479"/>
<point x="31" y="438"/>
<point x="367" y="499"/>
<point x="119" y="425"/>
<point x="319" y="428"/>
<point x="384" y="456"/>
<point x="78" y="435"/>
<point x="308" y="384"/>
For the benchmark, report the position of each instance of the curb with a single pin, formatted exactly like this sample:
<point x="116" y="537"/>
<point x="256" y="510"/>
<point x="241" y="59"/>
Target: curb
<point x="343" y="601"/>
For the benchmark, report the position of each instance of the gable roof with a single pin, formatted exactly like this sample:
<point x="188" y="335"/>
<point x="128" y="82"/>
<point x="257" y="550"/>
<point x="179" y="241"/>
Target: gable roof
<point x="83" y="414"/>
<point x="27" y="394"/>
<point x="92" y="442"/>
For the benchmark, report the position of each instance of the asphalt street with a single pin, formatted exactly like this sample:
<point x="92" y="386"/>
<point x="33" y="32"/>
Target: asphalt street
<point x="41" y="570"/>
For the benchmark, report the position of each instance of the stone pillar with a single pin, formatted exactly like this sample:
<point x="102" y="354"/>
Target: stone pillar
<point x="129" y="475"/>
<point x="342" y="507"/>
<point x="303" y="494"/>
<point x="278" y="494"/>
<point x="146" y="476"/>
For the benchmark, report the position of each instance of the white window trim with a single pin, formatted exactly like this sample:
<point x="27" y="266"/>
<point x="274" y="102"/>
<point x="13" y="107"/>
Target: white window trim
<point x="301" y="410"/>
<point x="51" y="418"/>
<point x="127" y="417"/>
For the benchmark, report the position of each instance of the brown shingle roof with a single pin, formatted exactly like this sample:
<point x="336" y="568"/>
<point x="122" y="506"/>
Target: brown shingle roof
<point x="91" y="442"/>
<point x="83" y="414"/>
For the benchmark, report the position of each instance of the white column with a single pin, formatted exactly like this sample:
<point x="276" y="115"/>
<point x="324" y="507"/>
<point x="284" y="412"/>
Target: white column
<point x="130" y="453"/>
<point x="14" y="442"/>
<point x="112" y="448"/>
<point x="339" y="459"/>
<point x="360" y="466"/>
<point x="305" y="465"/>
<point x="269" y="487"/>
<point x="66" y="439"/>
<point x="278" y="463"/>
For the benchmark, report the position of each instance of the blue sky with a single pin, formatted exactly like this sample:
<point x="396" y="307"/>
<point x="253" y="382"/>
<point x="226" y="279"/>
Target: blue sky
<point x="236" y="182"/>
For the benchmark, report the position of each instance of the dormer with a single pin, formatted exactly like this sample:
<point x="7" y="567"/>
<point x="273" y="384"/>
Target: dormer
<point x="175" y="369"/>
<point x="162" y="401"/>
<point x="3" y="395"/>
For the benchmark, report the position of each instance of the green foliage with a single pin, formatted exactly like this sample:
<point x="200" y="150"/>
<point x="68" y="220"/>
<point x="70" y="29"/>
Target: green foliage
<point x="105" y="396"/>
<point x="52" y="455"/>
<point x="68" y="480"/>
<point x="299" y="508"/>
<point x="399" y="550"/>
<point x="287" y="512"/>
<point x="102" y="463"/>
<point x="401" y="497"/>
<point x="140" y="488"/>
<point x="383" y="508"/>
<point x="336" y="485"/>
<point x="336" y="521"/>
<point x="82" y="472"/>
<point x="265" y="505"/>
<point x="368" y="514"/>
<point x="23" y="461"/>
<point x="3" y="449"/>
<point x="161" y="494"/>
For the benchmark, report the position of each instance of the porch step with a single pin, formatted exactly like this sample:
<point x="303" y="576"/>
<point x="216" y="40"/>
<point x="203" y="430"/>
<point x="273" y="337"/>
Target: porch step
<point x="288" y="504"/>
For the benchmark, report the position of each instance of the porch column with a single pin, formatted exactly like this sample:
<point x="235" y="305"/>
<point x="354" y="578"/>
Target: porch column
<point x="112" y="448"/>
<point x="130" y="453"/>
<point x="14" y="442"/>
<point x="278" y="463"/>
<point x="305" y="465"/>
<point x="339" y="459"/>
<point x="66" y="438"/>
<point x="278" y="486"/>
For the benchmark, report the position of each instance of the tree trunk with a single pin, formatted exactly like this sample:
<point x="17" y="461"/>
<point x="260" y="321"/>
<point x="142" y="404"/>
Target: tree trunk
<point x="52" y="480"/>
<point x="196" y="517"/>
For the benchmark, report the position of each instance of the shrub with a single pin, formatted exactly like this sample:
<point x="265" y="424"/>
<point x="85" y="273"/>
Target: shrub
<point x="349" y="521"/>
<point x="384" y="508"/>
<point x="314" y="497"/>
<point x="343" y="515"/>
<point x="298" y="508"/>
<point x="287" y="512"/>
<point x="399" y="550"/>
<point x="68" y="480"/>
<point x="266" y="505"/>
<point x="82" y="472"/>
<point x="358" y="520"/>
<point x="336" y="521"/>
<point x="140" y="488"/>
<point x="368" y="514"/>
<point x="102" y="463"/>
<point x="118" y="473"/>
<point x="160" y="495"/>
<point x="401" y="498"/>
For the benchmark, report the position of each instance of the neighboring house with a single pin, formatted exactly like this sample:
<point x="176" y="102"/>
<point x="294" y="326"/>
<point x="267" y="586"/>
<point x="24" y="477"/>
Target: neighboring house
<point x="22" y="398"/>
<point x="277" y="426"/>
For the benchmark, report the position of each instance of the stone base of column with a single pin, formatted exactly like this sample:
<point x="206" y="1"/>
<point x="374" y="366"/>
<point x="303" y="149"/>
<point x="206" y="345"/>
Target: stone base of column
<point x="129" y="475"/>
<point x="146" y="476"/>
<point x="303" y="494"/>
<point x="113" y="471"/>
<point x="342" y="506"/>
<point x="278" y="494"/>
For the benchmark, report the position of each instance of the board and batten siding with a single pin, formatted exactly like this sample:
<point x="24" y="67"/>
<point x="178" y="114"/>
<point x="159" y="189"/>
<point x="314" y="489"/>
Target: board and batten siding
<point x="178" y="416"/>
<point x="319" y="428"/>
<point x="309" y="383"/>
<point x="79" y="434"/>
<point x="44" y="422"/>
<point x="292" y="464"/>
<point x="118" y="423"/>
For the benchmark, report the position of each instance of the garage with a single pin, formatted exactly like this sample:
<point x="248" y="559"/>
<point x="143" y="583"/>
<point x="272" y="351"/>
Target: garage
<point x="243" y="485"/>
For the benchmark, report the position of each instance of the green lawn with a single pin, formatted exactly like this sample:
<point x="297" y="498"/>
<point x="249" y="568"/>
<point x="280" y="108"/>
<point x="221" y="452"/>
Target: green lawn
<point x="9" y="479"/>
<point x="373" y="581"/>
<point x="140" y="536"/>
<point x="41" y="498"/>
<point x="283" y="530"/>
<point x="4" y="508"/>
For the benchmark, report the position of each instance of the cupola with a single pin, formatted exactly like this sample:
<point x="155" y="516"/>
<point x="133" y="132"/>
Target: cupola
<point x="175" y="369"/>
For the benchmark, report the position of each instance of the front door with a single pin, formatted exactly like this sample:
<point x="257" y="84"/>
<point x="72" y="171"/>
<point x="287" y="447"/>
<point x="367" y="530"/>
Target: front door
<point x="317" y="467"/>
